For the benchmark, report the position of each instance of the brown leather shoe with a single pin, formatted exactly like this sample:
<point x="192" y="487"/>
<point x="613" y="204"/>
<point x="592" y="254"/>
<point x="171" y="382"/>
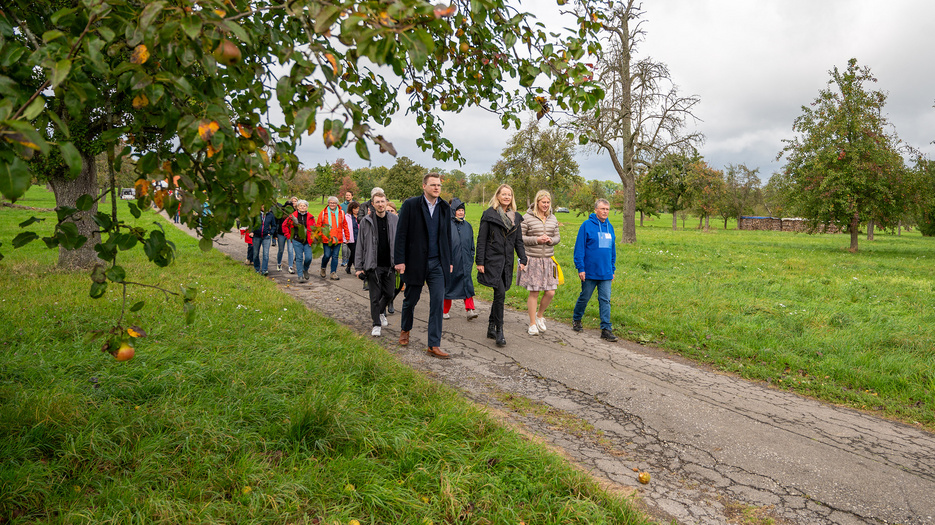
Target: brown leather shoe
<point x="435" y="351"/>
<point x="404" y="337"/>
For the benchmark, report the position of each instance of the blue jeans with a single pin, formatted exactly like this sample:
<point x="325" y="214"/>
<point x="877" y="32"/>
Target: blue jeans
<point x="284" y="245"/>
<point x="303" y="258"/>
<point x="603" y="300"/>
<point x="261" y="260"/>
<point x="435" y="278"/>
<point x="333" y="252"/>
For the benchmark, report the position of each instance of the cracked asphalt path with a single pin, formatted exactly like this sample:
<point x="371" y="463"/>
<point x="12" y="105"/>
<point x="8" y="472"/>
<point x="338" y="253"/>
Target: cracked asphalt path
<point x="719" y="449"/>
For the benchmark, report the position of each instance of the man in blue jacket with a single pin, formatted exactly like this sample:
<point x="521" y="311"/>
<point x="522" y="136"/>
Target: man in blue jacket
<point x="596" y="261"/>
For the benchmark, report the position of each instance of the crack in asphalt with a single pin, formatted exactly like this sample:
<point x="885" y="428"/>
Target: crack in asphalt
<point x="701" y="473"/>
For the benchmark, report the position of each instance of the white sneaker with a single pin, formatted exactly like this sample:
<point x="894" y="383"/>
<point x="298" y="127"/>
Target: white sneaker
<point x="291" y="270"/>
<point x="377" y="331"/>
<point x="278" y="267"/>
<point x="540" y="323"/>
<point x="471" y="315"/>
<point x="533" y="330"/>
<point x="383" y="321"/>
<point x="446" y="316"/>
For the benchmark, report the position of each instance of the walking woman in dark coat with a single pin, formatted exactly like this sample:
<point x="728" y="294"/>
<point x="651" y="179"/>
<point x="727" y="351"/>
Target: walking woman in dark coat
<point x="461" y="285"/>
<point x="498" y="238"/>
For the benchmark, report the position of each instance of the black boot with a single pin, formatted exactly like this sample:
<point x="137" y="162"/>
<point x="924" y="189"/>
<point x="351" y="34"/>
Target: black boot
<point x="607" y="335"/>
<point x="492" y="330"/>
<point x="501" y="341"/>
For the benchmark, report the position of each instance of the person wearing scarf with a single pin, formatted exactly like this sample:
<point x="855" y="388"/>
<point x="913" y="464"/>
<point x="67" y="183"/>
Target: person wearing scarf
<point x="499" y="242"/>
<point x="332" y="217"/>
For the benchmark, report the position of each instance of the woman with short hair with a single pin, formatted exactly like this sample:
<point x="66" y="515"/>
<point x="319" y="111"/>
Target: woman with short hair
<point x="332" y="217"/>
<point x="298" y="228"/>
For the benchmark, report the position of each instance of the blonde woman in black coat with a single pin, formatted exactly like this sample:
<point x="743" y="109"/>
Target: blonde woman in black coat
<point x="498" y="239"/>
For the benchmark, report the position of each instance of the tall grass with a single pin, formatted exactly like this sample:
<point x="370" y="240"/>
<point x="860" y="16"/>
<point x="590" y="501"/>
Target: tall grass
<point x="260" y="412"/>
<point x="795" y="310"/>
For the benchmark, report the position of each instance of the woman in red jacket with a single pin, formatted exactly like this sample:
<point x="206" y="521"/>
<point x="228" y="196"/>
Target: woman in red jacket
<point x="298" y="228"/>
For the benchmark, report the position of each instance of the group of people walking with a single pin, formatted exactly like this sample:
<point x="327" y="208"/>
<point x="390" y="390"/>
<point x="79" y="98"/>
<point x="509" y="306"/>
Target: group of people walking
<point x="429" y="244"/>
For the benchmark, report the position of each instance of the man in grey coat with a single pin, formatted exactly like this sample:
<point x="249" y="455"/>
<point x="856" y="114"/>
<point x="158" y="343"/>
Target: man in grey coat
<point x="374" y="256"/>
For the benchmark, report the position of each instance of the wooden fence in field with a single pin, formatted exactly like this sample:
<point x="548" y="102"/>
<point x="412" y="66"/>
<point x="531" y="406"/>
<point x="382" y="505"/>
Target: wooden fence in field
<point x="793" y="224"/>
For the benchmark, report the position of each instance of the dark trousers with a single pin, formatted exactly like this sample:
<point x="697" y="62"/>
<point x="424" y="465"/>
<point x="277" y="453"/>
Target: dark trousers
<point x="350" y="247"/>
<point x="382" y="284"/>
<point x="435" y="279"/>
<point x="496" y="309"/>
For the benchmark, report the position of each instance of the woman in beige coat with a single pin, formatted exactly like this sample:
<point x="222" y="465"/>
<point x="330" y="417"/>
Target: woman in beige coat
<point x="540" y="235"/>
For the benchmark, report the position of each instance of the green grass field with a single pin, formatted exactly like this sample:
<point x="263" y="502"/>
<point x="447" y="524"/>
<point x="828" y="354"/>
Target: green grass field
<point x="795" y="310"/>
<point x="260" y="412"/>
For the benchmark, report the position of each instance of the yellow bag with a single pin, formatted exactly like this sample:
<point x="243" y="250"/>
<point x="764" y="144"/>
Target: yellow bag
<point x="558" y="272"/>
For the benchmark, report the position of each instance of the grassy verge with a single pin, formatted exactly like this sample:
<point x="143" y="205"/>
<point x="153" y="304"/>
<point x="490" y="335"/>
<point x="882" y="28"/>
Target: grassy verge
<point x="261" y="412"/>
<point x="795" y="310"/>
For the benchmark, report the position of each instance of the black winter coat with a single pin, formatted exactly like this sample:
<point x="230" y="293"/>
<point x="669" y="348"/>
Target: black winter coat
<point x="412" y="241"/>
<point x="496" y="246"/>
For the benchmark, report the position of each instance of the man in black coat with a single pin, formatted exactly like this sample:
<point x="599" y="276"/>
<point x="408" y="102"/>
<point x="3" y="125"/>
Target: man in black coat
<point x="423" y="256"/>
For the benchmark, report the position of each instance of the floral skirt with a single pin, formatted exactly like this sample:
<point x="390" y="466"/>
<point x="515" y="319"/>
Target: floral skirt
<point x="540" y="275"/>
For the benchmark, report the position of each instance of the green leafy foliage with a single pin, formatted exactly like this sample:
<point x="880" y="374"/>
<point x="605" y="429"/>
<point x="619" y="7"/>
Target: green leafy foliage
<point x="844" y="166"/>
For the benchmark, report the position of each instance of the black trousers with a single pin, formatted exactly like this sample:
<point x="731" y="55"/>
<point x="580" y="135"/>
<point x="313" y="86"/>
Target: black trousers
<point x="496" y="309"/>
<point x="382" y="284"/>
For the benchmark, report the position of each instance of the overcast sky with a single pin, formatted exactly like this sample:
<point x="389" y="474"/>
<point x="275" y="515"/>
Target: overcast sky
<point x="753" y="64"/>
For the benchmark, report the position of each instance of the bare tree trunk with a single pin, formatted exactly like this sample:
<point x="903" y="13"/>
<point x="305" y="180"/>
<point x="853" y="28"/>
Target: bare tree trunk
<point x="899" y="228"/>
<point x="707" y="224"/>
<point x="675" y="223"/>
<point x="66" y="194"/>
<point x="870" y="225"/>
<point x="854" y="227"/>
<point x="641" y="219"/>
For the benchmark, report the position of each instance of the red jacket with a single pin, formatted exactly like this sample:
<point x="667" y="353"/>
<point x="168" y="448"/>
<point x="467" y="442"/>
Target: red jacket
<point x="310" y="223"/>
<point x="338" y="231"/>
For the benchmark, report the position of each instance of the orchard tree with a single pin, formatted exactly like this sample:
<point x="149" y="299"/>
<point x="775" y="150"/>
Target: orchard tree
<point x="404" y="179"/>
<point x="368" y="178"/>
<point x="922" y="203"/>
<point x="707" y="190"/>
<point x="534" y="160"/>
<point x="348" y="185"/>
<point x="669" y="182"/>
<point x="325" y="183"/>
<point x="741" y="186"/>
<point x="647" y="200"/>
<point x="454" y="184"/>
<point x="642" y="113"/>
<point x="191" y="86"/>
<point x="844" y="164"/>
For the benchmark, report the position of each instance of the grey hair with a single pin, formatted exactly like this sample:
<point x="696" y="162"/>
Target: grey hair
<point x="301" y="202"/>
<point x="598" y="202"/>
<point x="376" y="190"/>
<point x="335" y="199"/>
